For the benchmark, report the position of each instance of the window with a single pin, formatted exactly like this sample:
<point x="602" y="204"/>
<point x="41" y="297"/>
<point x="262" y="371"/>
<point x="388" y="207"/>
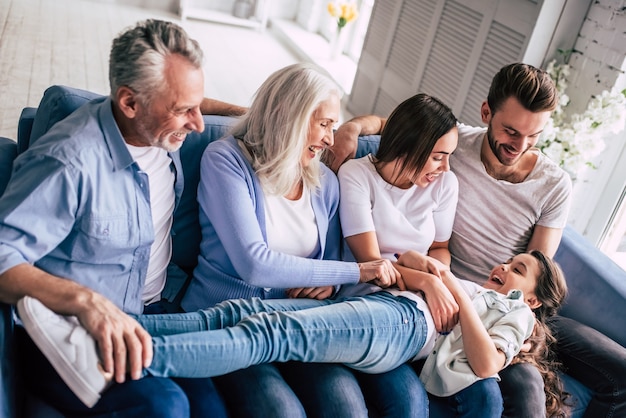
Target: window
<point x="355" y="44"/>
<point x="614" y="242"/>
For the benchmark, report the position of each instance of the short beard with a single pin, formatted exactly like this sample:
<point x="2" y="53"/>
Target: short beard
<point x="494" y="148"/>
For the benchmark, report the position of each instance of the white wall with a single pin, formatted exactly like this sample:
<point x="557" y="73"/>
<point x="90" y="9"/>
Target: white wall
<point x="284" y="9"/>
<point x="279" y="8"/>
<point x="598" y="64"/>
<point x="164" y="5"/>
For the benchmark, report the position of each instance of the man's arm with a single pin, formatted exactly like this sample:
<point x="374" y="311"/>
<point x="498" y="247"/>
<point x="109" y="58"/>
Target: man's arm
<point x="216" y="107"/>
<point x="545" y="239"/>
<point x="120" y="338"/>
<point x="347" y="136"/>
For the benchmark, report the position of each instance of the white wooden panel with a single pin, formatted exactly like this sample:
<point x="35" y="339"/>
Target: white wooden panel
<point x="519" y="15"/>
<point x="450" y="52"/>
<point x="374" y="56"/>
<point x="363" y="94"/>
<point x="410" y="38"/>
<point x="385" y="103"/>
<point x="448" y="48"/>
<point x="502" y="46"/>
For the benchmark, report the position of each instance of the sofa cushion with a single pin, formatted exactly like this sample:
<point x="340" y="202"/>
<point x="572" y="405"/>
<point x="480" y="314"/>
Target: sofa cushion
<point x="186" y="227"/>
<point x="57" y="103"/>
<point x="597" y="286"/>
<point x="8" y="152"/>
<point x="25" y="127"/>
<point x="368" y="144"/>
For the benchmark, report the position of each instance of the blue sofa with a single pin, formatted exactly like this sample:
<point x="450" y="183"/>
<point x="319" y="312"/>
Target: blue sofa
<point x="597" y="285"/>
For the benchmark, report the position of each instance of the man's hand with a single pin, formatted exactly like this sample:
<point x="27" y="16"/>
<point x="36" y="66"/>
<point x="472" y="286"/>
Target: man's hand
<point x="125" y="347"/>
<point x="319" y="293"/>
<point x="380" y="272"/>
<point x="344" y="147"/>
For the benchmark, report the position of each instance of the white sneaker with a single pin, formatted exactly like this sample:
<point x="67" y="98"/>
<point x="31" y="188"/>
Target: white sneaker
<point x="67" y="346"/>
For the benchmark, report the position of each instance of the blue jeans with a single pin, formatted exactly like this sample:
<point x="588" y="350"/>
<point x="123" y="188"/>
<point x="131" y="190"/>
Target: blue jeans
<point x="397" y="393"/>
<point x="292" y="390"/>
<point x="480" y="400"/>
<point x="594" y="360"/>
<point x="363" y="333"/>
<point x="151" y="397"/>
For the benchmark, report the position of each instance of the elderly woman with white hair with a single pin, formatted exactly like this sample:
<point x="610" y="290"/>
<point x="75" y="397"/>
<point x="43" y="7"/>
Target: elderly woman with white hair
<point x="270" y="229"/>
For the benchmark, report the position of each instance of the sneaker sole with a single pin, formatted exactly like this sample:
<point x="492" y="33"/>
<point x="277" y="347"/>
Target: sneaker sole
<point x="79" y="386"/>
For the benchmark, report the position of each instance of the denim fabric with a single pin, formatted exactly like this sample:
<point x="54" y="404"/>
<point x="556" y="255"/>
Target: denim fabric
<point x="292" y="390"/>
<point x="396" y="393"/>
<point x="373" y="334"/>
<point x="480" y="400"/>
<point x="81" y="178"/>
<point x="259" y="391"/>
<point x="133" y="398"/>
<point x="202" y="394"/>
<point x="325" y="390"/>
<point x="521" y="385"/>
<point x="595" y="360"/>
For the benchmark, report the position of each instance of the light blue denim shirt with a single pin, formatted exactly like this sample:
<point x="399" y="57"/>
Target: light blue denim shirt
<point x="508" y="320"/>
<point x="77" y="206"/>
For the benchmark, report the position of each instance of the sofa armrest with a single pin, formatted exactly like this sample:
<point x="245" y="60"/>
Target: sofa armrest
<point x="7" y="362"/>
<point x="25" y="127"/>
<point x="8" y="152"/>
<point x="597" y="286"/>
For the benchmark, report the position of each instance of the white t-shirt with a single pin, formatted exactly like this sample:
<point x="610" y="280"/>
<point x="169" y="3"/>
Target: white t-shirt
<point x="495" y="218"/>
<point x="155" y="162"/>
<point x="290" y="225"/>
<point x="403" y="219"/>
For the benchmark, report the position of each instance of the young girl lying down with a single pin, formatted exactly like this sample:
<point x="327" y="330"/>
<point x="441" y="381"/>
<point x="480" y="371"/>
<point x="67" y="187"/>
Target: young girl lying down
<point x="373" y="333"/>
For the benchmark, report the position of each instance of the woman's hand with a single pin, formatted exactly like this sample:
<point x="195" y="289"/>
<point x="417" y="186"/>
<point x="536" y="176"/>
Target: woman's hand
<point x="417" y="261"/>
<point x="380" y="272"/>
<point x="319" y="293"/>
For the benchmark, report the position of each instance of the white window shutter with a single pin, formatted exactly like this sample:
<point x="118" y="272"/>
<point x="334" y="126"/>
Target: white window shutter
<point x="447" y="48"/>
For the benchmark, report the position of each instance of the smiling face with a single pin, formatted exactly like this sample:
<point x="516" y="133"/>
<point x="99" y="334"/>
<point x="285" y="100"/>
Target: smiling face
<point x="512" y="130"/>
<point x="320" y="135"/>
<point x="167" y="119"/>
<point x="521" y="273"/>
<point x="438" y="162"/>
<point x="439" y="159"/>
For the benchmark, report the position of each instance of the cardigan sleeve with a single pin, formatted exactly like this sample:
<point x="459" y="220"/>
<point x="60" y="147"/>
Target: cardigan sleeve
<point x="229" y="195"/>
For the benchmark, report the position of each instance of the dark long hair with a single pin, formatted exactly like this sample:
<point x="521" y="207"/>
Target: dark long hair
<point x="551" y="290"/>
<point x="412" y="130"/>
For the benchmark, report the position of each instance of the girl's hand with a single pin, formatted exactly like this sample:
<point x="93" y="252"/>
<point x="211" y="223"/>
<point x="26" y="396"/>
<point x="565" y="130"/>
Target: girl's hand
<point x="319" y="293"/>
<point x="443" y="306"/>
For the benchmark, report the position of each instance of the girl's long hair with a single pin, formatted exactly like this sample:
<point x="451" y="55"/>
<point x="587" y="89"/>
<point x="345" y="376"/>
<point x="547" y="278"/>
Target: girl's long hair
<point x="551" y="291"/>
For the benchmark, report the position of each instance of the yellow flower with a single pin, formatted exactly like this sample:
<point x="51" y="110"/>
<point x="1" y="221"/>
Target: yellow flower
<point x="343" y="12"/>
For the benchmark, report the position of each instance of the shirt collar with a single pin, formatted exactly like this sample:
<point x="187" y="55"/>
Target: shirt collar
<point x="113" y="137"/>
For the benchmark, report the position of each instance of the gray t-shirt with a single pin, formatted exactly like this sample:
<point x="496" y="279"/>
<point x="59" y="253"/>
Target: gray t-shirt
<point x="495" y="218"/>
